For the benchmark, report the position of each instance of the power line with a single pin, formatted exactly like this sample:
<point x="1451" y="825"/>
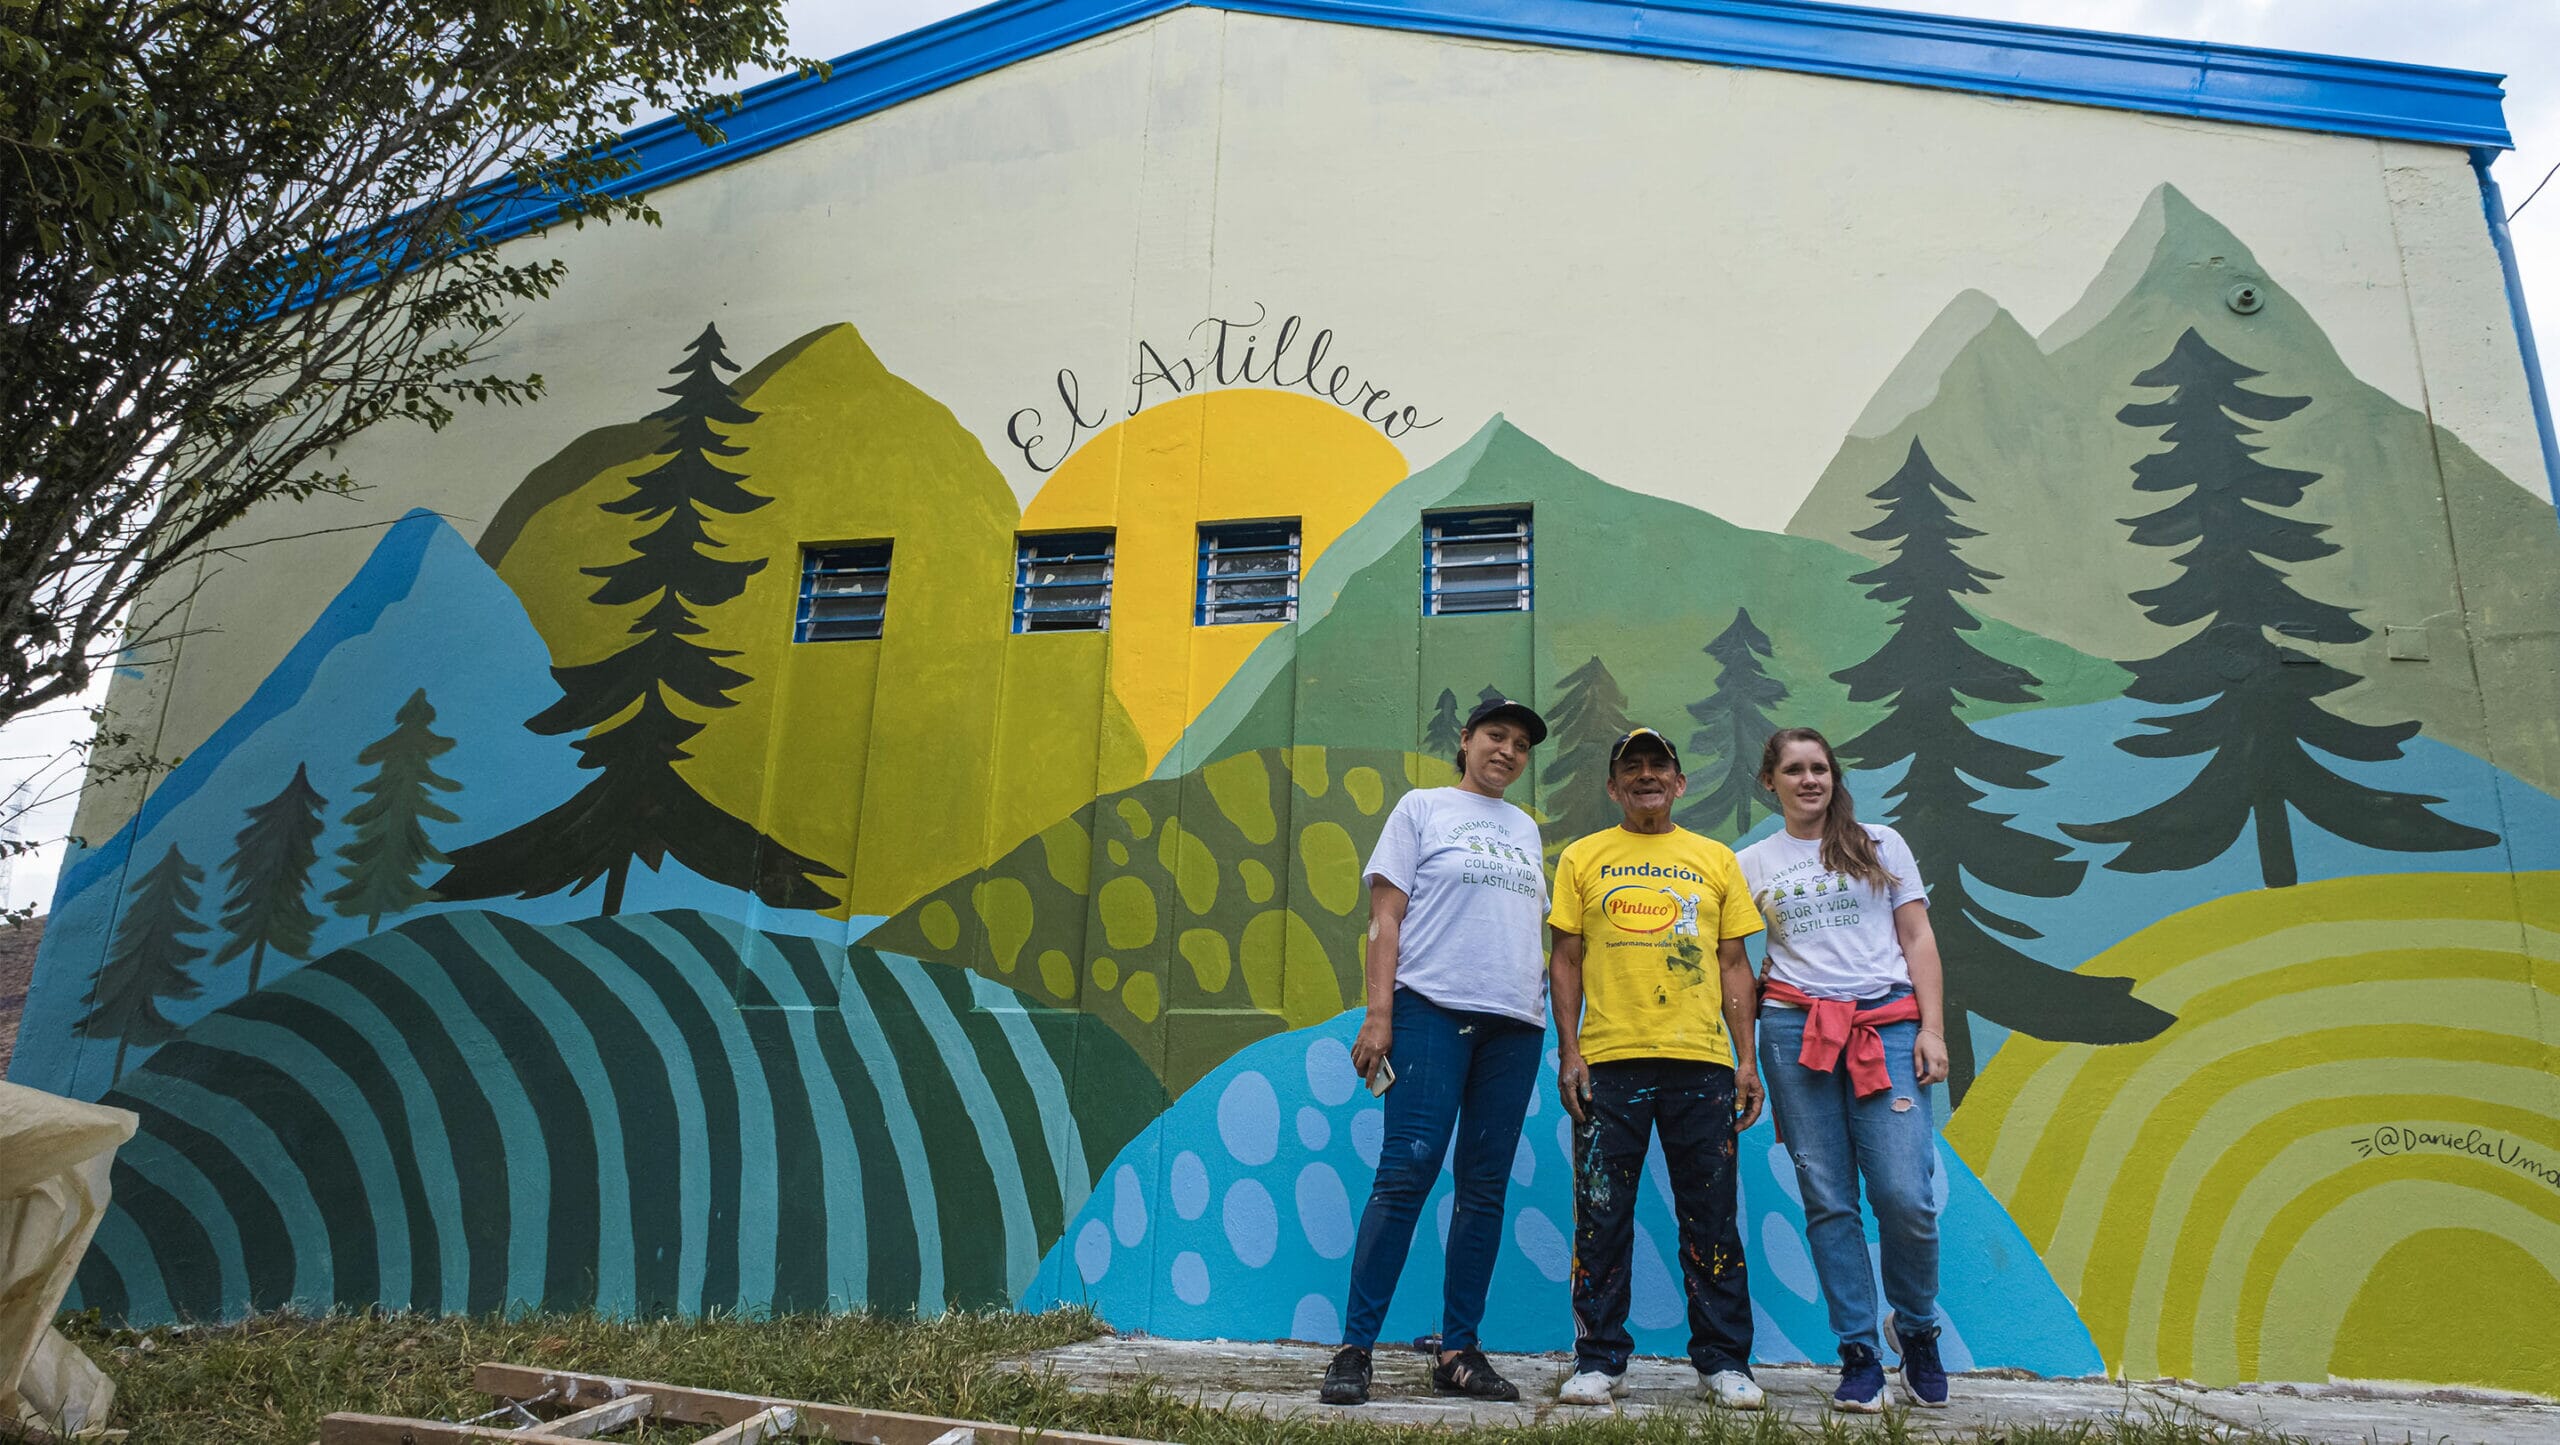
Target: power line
<point x="2537" y="190"/>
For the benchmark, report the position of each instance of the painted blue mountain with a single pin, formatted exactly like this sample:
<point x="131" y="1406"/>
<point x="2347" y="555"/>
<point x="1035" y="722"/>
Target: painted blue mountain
<point x="424" y="614"/>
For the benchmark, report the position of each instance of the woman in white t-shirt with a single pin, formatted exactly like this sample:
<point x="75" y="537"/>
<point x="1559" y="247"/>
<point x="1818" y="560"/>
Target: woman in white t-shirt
<point x="1456" y="1024"/>
<point x="1852" y="1029"/>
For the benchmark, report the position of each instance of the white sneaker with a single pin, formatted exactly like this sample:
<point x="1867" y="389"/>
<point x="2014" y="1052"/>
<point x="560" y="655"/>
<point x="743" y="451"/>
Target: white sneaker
<point x="1733" y="1389"/>
<point x="1592" y="1388"/>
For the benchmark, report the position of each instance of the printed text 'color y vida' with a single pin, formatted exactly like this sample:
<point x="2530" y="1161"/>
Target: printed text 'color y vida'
<point x="1219" y="351"/>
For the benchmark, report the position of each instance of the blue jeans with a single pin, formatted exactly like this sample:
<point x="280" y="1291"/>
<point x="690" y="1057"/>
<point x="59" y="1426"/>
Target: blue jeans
<point x="1836" y="1139"/>
<point x="1453" y="1068"/>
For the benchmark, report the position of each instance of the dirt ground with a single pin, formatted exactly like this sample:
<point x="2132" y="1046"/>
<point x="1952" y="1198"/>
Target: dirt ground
<point x="17" y="964"/>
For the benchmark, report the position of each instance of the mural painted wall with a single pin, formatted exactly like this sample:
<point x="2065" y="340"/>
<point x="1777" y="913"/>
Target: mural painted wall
<point x="530" y="919"/>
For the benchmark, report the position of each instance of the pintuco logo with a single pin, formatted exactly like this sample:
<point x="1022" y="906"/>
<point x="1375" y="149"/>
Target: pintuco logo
<point x="1636" y="909"/>
<point x="1219" y="351"/>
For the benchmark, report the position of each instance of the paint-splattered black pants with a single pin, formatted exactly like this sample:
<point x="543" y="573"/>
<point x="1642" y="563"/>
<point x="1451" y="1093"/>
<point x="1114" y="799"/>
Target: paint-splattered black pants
<point x="1691" y="1104"/>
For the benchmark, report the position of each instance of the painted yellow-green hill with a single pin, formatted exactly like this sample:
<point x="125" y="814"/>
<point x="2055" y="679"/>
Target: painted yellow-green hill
<point x="2354" y="1123"/>
<point x="886" y="741"/>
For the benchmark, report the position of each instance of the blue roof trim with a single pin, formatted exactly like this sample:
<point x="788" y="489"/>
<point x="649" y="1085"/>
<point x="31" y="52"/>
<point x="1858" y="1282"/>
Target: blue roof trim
<point x="2496" y="206"/>
<point x="2174" y="77"/>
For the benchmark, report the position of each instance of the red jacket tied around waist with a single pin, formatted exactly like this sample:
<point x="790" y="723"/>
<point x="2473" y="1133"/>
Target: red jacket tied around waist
<point x="1837" y="1025"/>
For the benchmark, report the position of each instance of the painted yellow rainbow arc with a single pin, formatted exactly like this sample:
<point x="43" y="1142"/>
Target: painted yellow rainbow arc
<point x="2354" y="1124"/>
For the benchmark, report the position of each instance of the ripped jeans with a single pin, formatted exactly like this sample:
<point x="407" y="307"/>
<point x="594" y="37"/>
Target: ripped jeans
<point x="1454" y="1068"/>
<point x="1836" y="1138"/>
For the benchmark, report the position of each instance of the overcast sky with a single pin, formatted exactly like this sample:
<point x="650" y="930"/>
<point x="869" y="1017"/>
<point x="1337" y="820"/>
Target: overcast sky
<point x="2519" y="38"/>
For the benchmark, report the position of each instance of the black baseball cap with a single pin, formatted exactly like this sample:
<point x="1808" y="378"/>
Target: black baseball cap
<point x="1638" y="737"/>
<point x="1504" y="708"/>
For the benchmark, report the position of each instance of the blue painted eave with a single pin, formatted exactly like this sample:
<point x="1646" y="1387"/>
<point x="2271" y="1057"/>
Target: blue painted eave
<point x="2122" y="72"/>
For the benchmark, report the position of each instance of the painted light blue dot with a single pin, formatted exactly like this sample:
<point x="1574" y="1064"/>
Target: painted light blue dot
<point x="1316" y="1322"/>
<point x="1564" y="1138"/>
<point x="1369" y="1135"/>
<point x="1543" y="1243"/>
<point x="1249" y="1119"/>
<point x="1447" y="1210"/>
<point x="1324" y="1211"/>
<point x="1938" y="1185"/>
<point x="1190" y="1278"/>
<point x="1093" y="1251"/>
<point x="1782" y="1249"/>
<point x="1189" y="1186"/>
<point x="1329" y="1072"/>
<point x="1783" y="1165"/>
<point x="1524" y="1165"/>
<point x="1535" y="1095"/>
<point x="1128" y="1207"/>
<point x="1252" y="1223"/>
<point x="1655" y="1298"/>
<point x="1314" y="1129"/>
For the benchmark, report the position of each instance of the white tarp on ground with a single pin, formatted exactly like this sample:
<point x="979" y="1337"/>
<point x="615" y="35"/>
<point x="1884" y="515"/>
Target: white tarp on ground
<point x="54" y="1154"/>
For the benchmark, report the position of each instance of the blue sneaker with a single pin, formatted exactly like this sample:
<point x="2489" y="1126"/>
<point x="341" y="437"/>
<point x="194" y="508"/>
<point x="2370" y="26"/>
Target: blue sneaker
<point x="1861" y="1389"/>
<point x="1924" y="1378"/>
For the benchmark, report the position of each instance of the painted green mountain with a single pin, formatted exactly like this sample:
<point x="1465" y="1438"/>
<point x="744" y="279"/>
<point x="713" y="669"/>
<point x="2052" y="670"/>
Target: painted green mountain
<point x="2027" y="426"/>
<point x="1192" y="915"/>
<point x="1641" y="582"/>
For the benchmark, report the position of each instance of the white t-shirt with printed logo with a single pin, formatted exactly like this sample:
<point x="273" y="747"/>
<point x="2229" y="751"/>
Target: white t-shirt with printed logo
<point x="1830" y="935"/>
<point x="1470" y="867"/>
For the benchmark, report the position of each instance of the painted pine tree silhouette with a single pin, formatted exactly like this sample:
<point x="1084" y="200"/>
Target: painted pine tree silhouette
<point x="1588" y="719"/>
<point x="271" y="875"/>
<point x="1924" y="674"/>
<point x="151" y="963"/>
<point x="1440" y="738"/>
<point x="382" y="862"/>
<point x="1490" y="693"/>
<point x="2260" y="720"/>
<point x="639" y="808"/>
<point x="1733" y="726"/>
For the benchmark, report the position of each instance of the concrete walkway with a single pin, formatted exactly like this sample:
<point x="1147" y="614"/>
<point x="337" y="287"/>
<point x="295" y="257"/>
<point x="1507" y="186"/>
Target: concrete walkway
<point x="1280" y="1379"/>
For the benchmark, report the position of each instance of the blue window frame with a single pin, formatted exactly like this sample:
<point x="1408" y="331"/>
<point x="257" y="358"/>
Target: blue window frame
<point x="844" y="593"/>
<point x="1248" y="573"/>
<point x="1477" y="562"/>
<point x="1062" y="582"/>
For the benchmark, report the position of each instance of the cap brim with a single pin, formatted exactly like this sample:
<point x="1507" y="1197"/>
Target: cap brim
<point x="1518" y="713"/>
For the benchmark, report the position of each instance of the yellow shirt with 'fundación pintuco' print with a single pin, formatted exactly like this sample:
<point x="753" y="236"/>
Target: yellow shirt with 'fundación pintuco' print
<point x="1651" y="908"/>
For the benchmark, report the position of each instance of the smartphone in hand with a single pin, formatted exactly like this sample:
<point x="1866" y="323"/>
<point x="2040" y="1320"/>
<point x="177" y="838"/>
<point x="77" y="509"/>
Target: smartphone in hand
<point x="1380" y="1078"/>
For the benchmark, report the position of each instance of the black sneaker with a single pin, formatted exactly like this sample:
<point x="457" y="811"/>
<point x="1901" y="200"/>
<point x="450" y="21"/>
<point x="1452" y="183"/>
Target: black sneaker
<point x="1346" y="1380"/>
<point x="1924" y="1377"/>
<point x="1471" y="1374"/>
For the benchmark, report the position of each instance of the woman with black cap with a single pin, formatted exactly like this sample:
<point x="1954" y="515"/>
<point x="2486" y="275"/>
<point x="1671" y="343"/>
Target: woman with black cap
<point x="1456" y="1024"/>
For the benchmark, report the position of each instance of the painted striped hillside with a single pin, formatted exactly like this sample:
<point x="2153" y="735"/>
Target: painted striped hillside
<point x="660" y="1113"/>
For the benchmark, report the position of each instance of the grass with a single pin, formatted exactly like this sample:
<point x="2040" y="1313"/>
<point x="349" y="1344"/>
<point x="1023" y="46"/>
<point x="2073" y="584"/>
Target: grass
<point x="268" y="1381"/>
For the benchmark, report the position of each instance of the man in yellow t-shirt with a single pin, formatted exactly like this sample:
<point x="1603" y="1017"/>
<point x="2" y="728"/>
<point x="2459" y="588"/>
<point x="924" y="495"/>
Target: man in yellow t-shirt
<point x="1654" y="1000"/>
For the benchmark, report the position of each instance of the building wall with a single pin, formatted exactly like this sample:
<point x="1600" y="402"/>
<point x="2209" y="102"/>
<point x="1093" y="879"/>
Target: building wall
<point x="496" y="939"/>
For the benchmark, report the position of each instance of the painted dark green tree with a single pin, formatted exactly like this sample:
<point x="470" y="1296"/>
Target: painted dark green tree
<point x="151" y="964"/>
<point x="271" y="876"/>
<point x="1733" y="726"/>
<point x="1924" y="674"/>
<point x="2260" y="720"/>
<point x="382" y="862"/>
<point x="1490" y="693"/>
<point x="639" y="808"/>
<point x="1440" y="738"/>
<point x="1588" y="719"/>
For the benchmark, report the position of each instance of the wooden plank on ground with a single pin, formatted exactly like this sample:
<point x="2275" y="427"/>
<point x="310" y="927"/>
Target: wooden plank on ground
<point x="718" y="1407"/>
<point x="351" y="1429"/>
<point x="772" y="1424"/>
<point x="602" y="1419"/>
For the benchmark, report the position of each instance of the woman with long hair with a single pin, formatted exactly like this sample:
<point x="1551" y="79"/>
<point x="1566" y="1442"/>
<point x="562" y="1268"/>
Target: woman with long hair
<point x="1852" y="1030"/>
<point x="1455" y="1026"/>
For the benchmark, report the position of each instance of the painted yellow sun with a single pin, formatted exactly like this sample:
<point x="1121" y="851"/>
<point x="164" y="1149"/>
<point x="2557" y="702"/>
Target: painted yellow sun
<point x="1213" y="456"/>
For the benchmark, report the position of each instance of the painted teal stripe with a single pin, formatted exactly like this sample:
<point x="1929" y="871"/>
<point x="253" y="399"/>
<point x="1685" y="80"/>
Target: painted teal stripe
<point x="759" y="1205"/>
<point x="429" y="1144"/>
<point x="995" y="1135"/>
<point x="617" y="1291"/>
<point x="177" y="1176"/>
<point x="146" y="1293"/>
<point x="899" y="1117"/>
<point x="848" y="1271"/>
<point x="1048" y="1087"/>
<point x="693" y="1134"/>
<point x="315" y="1284"/>
<point x="519" y="1123"/>
<point x="332" y="1088"/>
